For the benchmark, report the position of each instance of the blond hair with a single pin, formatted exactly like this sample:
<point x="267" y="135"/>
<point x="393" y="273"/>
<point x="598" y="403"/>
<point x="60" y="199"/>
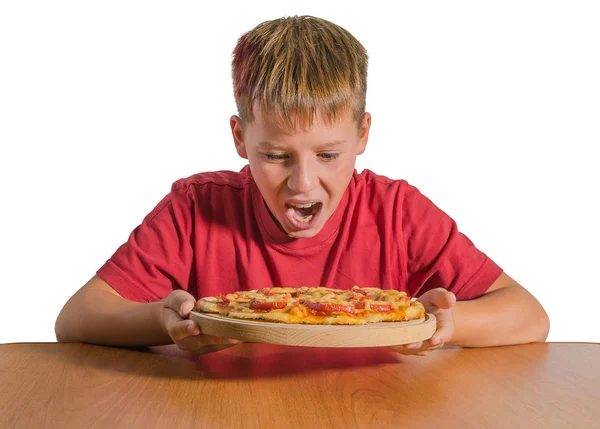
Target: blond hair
<point x="293" y="66"/>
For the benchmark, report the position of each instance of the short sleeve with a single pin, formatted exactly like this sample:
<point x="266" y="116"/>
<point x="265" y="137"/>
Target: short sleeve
<point x="157" y="257"/>
<point x="438" y="254"/>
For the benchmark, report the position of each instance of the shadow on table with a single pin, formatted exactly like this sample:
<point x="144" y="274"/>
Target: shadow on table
<point x="266" y="360"/>
<point x="246" y="360"/>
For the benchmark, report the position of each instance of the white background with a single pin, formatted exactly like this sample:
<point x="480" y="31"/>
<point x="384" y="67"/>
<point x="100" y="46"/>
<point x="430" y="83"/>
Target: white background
<point x="491" y="109"/>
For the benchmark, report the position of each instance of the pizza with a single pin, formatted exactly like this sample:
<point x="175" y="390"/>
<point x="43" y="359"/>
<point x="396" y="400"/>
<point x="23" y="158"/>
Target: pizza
<point x="315" y="305"/>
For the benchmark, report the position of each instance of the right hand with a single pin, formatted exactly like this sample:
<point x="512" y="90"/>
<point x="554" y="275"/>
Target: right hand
<point x="186" y="333"/>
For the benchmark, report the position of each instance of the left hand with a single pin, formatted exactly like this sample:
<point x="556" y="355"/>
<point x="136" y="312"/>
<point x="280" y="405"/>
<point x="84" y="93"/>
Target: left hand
<point x="438" y="302"/>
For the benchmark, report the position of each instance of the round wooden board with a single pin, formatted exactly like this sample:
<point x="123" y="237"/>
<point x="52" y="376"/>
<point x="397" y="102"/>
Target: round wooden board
<point x="369" y="335"/>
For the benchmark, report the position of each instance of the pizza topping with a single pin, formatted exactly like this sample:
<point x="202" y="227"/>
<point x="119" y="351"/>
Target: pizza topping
<point x="267" y="305"/>
<point x="315" y="305"/>
<point x="325" y="307"/>
<point x="404" y="301"/>
<point x="381" y="307"/>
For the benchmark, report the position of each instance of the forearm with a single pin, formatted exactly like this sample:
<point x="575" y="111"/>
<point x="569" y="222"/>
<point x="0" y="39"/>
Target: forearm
<point x="100" y="317"/>
<point x="509" y="315"/>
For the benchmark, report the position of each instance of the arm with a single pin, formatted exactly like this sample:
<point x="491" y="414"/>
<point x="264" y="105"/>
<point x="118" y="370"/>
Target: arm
<point x="98" y="314"/>
<point x="506" y="314"/>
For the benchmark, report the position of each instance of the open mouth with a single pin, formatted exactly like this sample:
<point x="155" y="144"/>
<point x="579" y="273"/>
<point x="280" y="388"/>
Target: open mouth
<point x="302" y="215"/>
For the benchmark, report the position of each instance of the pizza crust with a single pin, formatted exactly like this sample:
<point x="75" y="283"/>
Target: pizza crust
<point x="208" y="305"/>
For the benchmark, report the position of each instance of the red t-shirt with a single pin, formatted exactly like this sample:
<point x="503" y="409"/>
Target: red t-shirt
<point x="212" y="234"/>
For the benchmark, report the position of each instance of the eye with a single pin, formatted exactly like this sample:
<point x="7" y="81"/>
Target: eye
<point x="275" y="156"/>
<point x="328" y="156"/>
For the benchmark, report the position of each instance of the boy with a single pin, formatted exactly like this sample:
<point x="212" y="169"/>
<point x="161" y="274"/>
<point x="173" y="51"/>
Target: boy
<point x="298" y="214"/>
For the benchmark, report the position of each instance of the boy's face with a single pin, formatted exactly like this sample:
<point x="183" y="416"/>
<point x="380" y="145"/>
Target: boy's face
<point x="301" y="176"/>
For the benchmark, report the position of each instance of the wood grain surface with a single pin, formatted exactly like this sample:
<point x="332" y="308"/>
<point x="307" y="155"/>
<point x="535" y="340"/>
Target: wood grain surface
<point x="255" y="385"/>
<point x="369" y="335"/>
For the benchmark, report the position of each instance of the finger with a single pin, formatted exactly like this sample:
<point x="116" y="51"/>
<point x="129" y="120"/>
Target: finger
<point x="181" y="302"/>
<point x="182" y="329"/>
<point x="442" y="298"/>
<point x="425" y="350"/>
<point x="440" y="337"/>
<point x="445" y="328"/>
<point x="402" y="350"/>
<point x="430" y="346"/>
<point x="186" y="307"/>
<point x="407" y="349"/>
<point x="406" y="352"/>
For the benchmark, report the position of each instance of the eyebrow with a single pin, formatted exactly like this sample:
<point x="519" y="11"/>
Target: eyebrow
<point x="268" y="145"/>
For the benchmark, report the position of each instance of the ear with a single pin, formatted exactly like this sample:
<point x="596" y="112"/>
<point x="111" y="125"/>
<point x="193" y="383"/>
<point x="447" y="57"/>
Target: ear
<point x="237" y="130"/>
<point x="363" y="133"/>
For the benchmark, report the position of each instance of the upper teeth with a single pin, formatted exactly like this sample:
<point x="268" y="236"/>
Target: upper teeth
<point x="303" y="206"/>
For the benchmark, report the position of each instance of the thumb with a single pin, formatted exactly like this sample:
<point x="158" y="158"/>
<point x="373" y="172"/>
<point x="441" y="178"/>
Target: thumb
<point x="181" y="302"/>
<point x="442" y="298"/>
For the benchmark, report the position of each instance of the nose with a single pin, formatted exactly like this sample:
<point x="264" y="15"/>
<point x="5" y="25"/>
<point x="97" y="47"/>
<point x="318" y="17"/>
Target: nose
<point x="303" y="177"/>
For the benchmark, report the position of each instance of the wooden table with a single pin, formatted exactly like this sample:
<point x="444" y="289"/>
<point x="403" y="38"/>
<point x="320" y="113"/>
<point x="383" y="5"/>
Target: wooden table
<point x="51" y="385"/>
